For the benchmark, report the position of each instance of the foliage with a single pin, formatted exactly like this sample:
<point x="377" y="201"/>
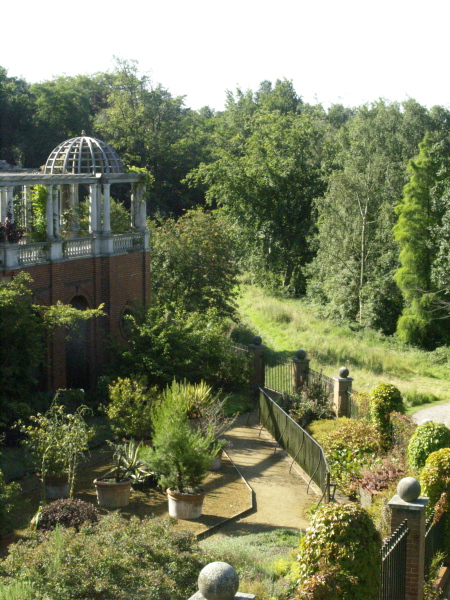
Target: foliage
<point x="10" y="495"/>
<point x="25" y="327"/>
<point x="344" y="539"/>
<point x="430" y="589"/>
<point x="114" y="560"/>
<point x="9" y="230"/>
<point x="38" y="202"/>
<point x="58" y="441"/>
<point x="426" y="439"/>
<point x="67" y="513"/>
<point x="16" y="590"/>
<point x="182" y="456"/>
<point x="349" y="446"/>
<point x="191" y="346"/>
<point x="419" y="230"/>
<point x="265" y="174"/>
<point x="311" y="404"/>
<point x="435" y="476"/>
<point x="381" y="475"/>
<point x="385" y="398"/>
<point x="128" y="463"/>
<point x="403" y="427"/>
<point x="129" y="408"/>
<point x="194" y="263"/>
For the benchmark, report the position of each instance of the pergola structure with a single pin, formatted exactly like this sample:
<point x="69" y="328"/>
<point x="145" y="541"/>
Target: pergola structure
<point x="86" y="269"/>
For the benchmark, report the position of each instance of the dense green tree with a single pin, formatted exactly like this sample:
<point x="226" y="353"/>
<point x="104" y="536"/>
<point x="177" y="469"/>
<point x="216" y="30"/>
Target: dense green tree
<point x="265" y="178"/>
<point x="194" y="263"/>
<point x="356" y="253"/>
<point x="422" y="233"/>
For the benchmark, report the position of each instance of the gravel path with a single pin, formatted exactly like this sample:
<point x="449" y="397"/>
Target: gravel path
<point x="438" y="414"/>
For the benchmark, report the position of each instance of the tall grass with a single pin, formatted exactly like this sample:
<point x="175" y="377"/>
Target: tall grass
<point x="287" y="325"/>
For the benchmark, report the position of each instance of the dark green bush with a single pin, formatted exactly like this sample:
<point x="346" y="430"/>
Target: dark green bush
<point x="341" y="539"/>
<point x="115" y="559"/>
<point x="385" y="398"/>
<point x="427" y="438"/>
<point x="10" y="496"/>
<point x="435" y="476"/>
<point x="67" y="513"/>
<point x="181" y="345"/>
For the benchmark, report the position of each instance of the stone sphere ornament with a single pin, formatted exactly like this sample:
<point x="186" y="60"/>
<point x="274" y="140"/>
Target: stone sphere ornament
<point x="343" y="372"/>
<point x="257" y="340"/>
<point x="301" y="354"/>
<point x="408" y="489"/>
<point x="218" y="581"/>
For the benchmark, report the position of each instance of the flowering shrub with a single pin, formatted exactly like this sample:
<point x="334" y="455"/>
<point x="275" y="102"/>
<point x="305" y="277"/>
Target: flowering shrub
<point x="427" y="438"/>
<point x="115" y="559"/>
<point x="342" y="541"/>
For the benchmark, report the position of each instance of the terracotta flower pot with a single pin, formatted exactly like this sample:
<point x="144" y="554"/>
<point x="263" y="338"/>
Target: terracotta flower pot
<point x="217" y="462"/>
<point x="113" y="494"/>
<point x="185" y="506"/>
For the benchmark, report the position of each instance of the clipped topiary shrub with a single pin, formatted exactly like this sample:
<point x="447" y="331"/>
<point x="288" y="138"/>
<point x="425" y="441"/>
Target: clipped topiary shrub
<point x="67" y="513"/>
<point x="426" y="439"/>
<point x="341" y="540"/>
<point x="385" y="398"/>
<point x="435" y="476"/>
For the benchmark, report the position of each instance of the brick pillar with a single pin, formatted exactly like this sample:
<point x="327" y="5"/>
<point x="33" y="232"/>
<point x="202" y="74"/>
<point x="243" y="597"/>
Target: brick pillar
<point x="342" y="388"/>
<point x="300" y="370"/>
<point x="414" y="512"/>
<point x="257" y="367"/>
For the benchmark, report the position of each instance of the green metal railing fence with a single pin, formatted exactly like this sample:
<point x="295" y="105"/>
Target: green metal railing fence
<point x="301" y="447"/>
<point x="393" y="565"/>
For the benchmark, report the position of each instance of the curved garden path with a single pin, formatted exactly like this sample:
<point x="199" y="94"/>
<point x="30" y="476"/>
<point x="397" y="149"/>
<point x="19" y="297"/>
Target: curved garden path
<point x="438" y="414"/>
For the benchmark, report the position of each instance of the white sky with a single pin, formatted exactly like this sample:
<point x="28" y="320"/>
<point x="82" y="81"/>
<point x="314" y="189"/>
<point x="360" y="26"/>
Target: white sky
<point x="344" y="51"/>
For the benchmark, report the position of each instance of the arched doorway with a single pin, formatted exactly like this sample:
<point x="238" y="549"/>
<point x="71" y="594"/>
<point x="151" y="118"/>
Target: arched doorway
<point x="77" y="364"/>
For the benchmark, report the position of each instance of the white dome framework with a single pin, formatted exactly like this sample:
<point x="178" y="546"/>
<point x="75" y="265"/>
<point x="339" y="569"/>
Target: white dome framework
<point x="83" y="155"/>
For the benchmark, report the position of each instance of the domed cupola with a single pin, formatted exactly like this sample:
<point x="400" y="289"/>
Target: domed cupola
<point x="83" y="155"/>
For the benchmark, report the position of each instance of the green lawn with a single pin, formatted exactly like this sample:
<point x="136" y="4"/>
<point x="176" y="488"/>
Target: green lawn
<point x="287" y="325"/>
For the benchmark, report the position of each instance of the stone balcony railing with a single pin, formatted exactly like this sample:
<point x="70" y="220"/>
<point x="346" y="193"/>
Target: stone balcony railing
<point x="17" y="256"/>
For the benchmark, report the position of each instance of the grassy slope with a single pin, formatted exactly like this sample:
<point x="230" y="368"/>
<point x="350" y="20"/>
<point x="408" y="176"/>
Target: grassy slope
<point x="288" y="325"/>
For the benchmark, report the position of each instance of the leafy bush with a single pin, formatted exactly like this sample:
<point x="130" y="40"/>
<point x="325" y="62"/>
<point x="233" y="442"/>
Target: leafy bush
<point x="115" y="559"/>
<point x="192" y="346"/>
<point x="10" y="496"/>
<point x="385" y="398"/>
<point x="67" y="513"/>
<point x="381" y="475"/>
<point x="403" y="428"/>
<point x="427" y="438"/>
<point x="311" y="404"/>
<point x="415" y="398"/>
<point x="435" y="476"/>
<point x="349" y="446"/>
<point x="341" y="539"/>
<point x="130" y="407"/>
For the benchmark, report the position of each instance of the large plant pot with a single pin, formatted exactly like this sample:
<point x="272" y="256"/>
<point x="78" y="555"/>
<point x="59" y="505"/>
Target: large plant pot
<point x="217" y="462"/>
<point x="56" y="486"/>
<point x="185" y="506"/>
<point x="113" y="494"/>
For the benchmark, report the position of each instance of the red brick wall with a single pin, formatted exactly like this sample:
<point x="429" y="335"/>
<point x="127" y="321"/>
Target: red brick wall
<point x="110" y="280"/>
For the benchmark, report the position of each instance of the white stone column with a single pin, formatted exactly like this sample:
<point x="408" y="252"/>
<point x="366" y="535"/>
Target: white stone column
<point x="56" y="212"/>
<point x="49" y="212"/>
<point x="94" y="193"/>
<point x="106" y="209"/>
<point x="138" y="206"/>
<point x="10" y="201"/>
<point x="26" y="199"/>
<point x="73" y="205"/>
<point x="3" y="203"/>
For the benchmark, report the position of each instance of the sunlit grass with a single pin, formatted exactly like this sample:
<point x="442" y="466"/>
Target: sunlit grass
<point x="287" y="325"/>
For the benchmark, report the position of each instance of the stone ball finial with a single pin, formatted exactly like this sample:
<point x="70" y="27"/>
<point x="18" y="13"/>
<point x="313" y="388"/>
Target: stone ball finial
<point x="301" y="354"/>
<point x="257" y="340"/>
<point x="218" y="581"/>
<point x="408" y="489"/>
<point x="343" y="372"/>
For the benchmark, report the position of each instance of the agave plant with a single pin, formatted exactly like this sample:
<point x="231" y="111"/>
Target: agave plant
<point x="127" y="462"/>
